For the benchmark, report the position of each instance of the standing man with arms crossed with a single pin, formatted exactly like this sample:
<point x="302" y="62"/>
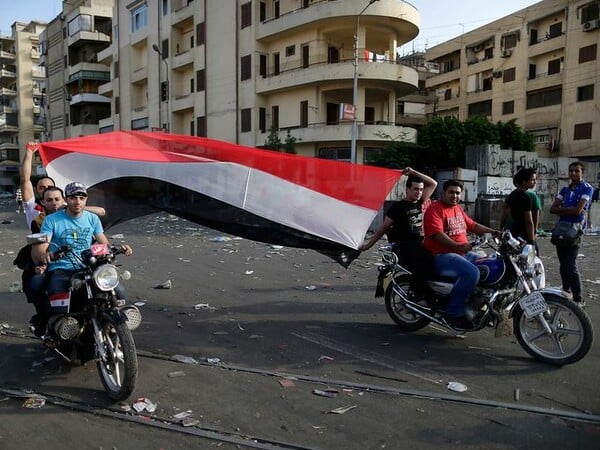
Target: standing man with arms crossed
<point x="446" y="225"/>
<point x="404" y="225"/>
<point x="521" y="210"/>
<point x="571" y="206"/>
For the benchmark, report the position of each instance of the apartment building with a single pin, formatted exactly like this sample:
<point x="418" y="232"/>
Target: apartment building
<point x="235" y="70"/>
<point x="22" y="87"/>
<point x="69" y="51"/>
<point x="540" y="66"/>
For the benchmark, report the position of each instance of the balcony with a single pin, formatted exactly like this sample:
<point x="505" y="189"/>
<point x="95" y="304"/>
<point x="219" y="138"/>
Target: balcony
<point x="444" y="78"/>
<point x="341" y="132"/>
<point x="105" y="56"/>
<point x="86" y="70"/>
<point x="139" y="74"/>
<point x="391" y="75"/>
<point x="6" y="74"/>
<point x="139" y="112"/>
<point x="543" y="80"/>
<point x="38" y="72"/>
<point x="547" y="45"/>
<point x="7" y="56"/>
<point x="35" y="54"/>
<point x="84" y="129"/>
<point x="181" y="11"/>
<point x="106" y="123"/>
<point x="85" y="37"/>
<point x="4" y="128"/>
<point x="8" y="92"/>
<point x="182" y="102"/>
<point x="396" y="17"/>
<point x="37" y="109"/>
<point x="106" y="89"/>
<point x="7" y="109"/>
<point x="8" y="146"/>
<point x="88" y="98"/>
<point x="182" y="59"/>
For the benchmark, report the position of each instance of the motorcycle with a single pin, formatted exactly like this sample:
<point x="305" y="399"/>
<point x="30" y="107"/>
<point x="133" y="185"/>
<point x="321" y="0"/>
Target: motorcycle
<point x="547" y="325"/>
<point x="93" y="322"/>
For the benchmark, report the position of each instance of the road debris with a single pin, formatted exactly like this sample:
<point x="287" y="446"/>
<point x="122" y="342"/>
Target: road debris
<point x="341" y="410"/>
<point x="184" y="359"/>
<point x="166" y="285"/>
<point x="35" y="402"/>
<point x="310" y="287"/>
<point x="330" y="393"/>
<point x="286" y="382"/>
<point x="456" y="386"/>
<point x="176" y="374"/>
<point x="144" y="404"/>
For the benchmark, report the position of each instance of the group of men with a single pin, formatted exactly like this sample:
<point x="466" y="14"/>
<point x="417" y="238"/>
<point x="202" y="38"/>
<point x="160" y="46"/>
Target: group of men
<point x="432" y="236"/>
<point x="66" y="220"/>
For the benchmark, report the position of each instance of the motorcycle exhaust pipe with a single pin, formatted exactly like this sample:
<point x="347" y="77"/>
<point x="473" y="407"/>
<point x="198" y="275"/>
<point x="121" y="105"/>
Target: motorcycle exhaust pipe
<point x="133" y="316"/>
<point x="66" y="327"/>
<point x="419" y="311"/>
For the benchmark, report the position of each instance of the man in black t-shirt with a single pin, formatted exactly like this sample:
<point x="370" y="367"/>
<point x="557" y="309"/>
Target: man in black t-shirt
<point x="403" y="225"/>
<point x="518" y="205"/>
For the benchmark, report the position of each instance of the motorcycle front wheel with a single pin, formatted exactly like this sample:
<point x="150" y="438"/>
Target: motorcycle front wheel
<point x="118" y="369"/>
<point x="571" y="337"/>
<point x="405" y="318"/>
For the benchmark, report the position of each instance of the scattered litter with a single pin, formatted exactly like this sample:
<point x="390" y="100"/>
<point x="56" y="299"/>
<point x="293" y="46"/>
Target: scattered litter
<point x="256" y="336"/>
<point x="310" y="287"/>
<point x="6" y="222"/>
<point x="240" y="327"/>
<point x="220" y="239"/>
<point x="179" y="324"/>
<point x="176" y="374"/>
<point x="184" y="359"/>
<point x="213" y="360"/>
<point x="144" y="404"/>
<point x="276" y="247"/>
<point x="221" y="333"/>
<point x="341" y="410"/>
<point x="5" y="325"/>
<point x="34" y="402"/>
<point x="517" y="394"/>
<point x="166" y="285"/>
<point x="189" y="422"/>
<point x="183" y="414"/>
<point x="593" y="281"/>
<point x="456" y="386"/>
<point x="286" y="382"/>
<point x="204" y="306"/>
<point x="139" y="303"/>
<point x="328" y="358"/>
<point x="117" y="236"/>
<point x="15" y="286"/>
<point x="125" y="407"/>
<point x="248" y="272"/>
<point x="330" y="393"/>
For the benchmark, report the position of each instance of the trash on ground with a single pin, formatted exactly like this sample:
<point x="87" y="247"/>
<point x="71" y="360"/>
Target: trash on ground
<point x="220" y="239"/>
<point x="139" y="303"/>
<point x="276" y="247"/>
<point x="117" y="236"/>
<point x="213" y="360"/>
<point x="15" y="286"/>
<point x="34" y="402"/>
<point x="204" y="306"/>
<point x="310" y="287"/>
<point x="286" y="382"/>
<point x="144" y="404"/>
<point x="189" y="422"/>
<point x="5" y="325"/>
<point x="456" y="386"/>
<point x="325" y="357"/>
<point x="330" y="393"/>
<point x="256" y="336"/>
<point x="176" y="374"/>
<point x="166" y="285"/>
<point x="182" y="414"/>
<point x="593" y="281"/>
<point x="517" y="394"/>
<point x="341" y="410"/>
<point x="125" y="407"/>
<point x="248" y="272"/>
<point x="221" y="333"/>
<point x="179" y="324"/>
<point x="184" y="359"/>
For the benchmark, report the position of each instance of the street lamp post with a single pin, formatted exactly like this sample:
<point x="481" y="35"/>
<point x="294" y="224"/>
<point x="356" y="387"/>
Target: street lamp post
<point x="355" y="85"/>
<point x="157" y="50"/>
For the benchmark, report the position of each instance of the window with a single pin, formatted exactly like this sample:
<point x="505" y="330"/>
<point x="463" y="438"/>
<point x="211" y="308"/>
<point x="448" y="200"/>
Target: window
<point x="548" y="97"/>
<point x="201" y="126"/>
<point x="587" y="53"/>
<point x="82" y="22"/>
<point x="165" y="11"/>
<point x="541" y="139"/>
<point x="164" y="48"/>
<point x="246" y="114"/>
<point x="554" y="66"/>
<point x="509" y="75"/>
<point x="305" y="56"/>
<point x="263" y="11"/>
<point x="590" y="11"/>
<point x="290" y="50"/>
<point x="585" y="93"/>
<point x="191" y="84"/>
<point x="448" y="94"/>
<point x="139" y="124"/>
<point x="508" y="107"/>
<point x="200" y="80"/>
<point x="200" y="34"/>
<point x="246" y="64"/>
<point x="509" y="41"/>
<point x="276" y="64"/>
<point x="304" y="114"/>
<point x="262" y="66"/>
<point x="139" y="17"/>
<point x="338" y="154"/>
<point x="262" y="120"/>
<point x="481" y="108"/>
<point x="582" y="131"/>
<point x="246" y="15"/>
<point x="275" y="117"/>
<point x="555" y="30"/>
<point x="488" y="53"/>
<point x="371" y="154"/>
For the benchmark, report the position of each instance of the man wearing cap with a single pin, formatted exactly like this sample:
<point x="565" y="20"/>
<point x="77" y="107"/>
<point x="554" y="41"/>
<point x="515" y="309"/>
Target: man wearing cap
<point x="75" y="227"/>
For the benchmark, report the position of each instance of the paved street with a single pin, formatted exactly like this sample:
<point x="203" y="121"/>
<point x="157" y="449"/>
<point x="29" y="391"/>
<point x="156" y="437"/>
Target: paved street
<point x="278" y="316"/>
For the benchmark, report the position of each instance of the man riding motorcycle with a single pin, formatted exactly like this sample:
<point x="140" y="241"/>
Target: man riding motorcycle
<point x="445" y="226"/>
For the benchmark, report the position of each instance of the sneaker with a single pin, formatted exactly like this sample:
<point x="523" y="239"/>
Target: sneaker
<point x="37" y="325"/>
<point x="567" y="294"/>
<point x="579" y="301"/>
<point x="459" y="322"/>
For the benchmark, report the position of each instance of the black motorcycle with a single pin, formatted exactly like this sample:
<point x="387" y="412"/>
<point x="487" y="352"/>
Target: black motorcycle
<point x="547" y="325"/>
<point x="96" y="324"/>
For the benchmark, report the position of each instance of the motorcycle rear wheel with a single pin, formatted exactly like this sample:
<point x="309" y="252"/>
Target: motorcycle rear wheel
<point x="118" y="371"/>
<point x="572" y="336"/>
<point x="405" y="318"/>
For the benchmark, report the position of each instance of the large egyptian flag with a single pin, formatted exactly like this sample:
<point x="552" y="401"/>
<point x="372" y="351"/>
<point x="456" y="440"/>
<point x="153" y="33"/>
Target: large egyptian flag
<point x="257" y="194"/>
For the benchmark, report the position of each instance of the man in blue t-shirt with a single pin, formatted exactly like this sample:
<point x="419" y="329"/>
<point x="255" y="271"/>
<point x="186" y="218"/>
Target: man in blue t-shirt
<point x="571" y="205"/>
<point x="74" y="227"/>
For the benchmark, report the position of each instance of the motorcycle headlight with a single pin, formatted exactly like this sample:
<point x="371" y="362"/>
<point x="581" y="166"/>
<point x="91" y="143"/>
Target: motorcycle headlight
<point x="528" y="255"/>
<point x="106" y="277"/>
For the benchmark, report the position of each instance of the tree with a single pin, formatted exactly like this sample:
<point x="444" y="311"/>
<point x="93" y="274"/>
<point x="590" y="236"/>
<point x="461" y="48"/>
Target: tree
<point x="289" y="143"/>
<point x="512" y="136"/>
<point x="273" y="142"/>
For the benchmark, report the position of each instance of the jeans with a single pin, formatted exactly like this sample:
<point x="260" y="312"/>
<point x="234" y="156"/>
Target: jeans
<point x="567" y="258"/>
<point x="452" y="265"/>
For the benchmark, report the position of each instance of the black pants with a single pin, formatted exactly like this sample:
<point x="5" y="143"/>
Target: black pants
<point x="418" y="260"/>
<point x="569" y="274"/>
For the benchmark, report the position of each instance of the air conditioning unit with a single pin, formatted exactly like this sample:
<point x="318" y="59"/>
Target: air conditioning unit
<point x="507" y="52"/>
<point x="497" y="74"/>
<point x="591" y="25"/>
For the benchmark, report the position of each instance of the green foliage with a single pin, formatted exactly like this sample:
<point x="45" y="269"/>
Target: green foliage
<point x="273" y="142"/>
<point x="289" y="144"/>
<point x="396" y="155"/>
<point x="513" y="136"/>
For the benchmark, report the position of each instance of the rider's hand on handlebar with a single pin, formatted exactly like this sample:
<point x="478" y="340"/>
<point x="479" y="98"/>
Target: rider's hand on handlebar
<point x="463" y="248"/>
<point x="126" y="250"/>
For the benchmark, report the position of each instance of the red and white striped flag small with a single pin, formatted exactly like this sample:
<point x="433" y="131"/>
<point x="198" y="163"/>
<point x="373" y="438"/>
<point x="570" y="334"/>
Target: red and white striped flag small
<point x="60" y="302"/>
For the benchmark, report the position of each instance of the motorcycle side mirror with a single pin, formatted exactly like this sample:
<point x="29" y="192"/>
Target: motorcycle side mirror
<point x="37" y="238"/>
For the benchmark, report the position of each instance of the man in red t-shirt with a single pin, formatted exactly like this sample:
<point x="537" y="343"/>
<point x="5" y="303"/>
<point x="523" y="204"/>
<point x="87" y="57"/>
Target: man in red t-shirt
<point x="446" y="225"/>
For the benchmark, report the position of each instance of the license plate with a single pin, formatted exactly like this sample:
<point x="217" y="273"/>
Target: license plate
<point x="533" y="304"/>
